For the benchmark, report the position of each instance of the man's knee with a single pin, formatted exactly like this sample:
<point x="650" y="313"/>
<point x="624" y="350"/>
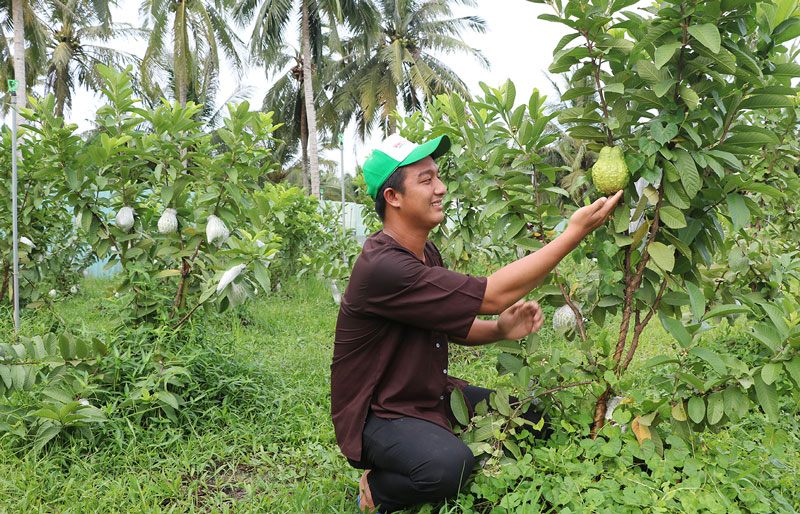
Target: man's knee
<point x="445" y="474"/>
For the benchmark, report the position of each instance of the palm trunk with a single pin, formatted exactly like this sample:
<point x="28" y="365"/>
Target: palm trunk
<point x="19" y="55"/>
<point x="304" y="149"/>
<point x="179" y="54"/>
<point x="311" y="113"/>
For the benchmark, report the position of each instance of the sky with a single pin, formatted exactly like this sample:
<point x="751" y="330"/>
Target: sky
<point x="517" y="44"/>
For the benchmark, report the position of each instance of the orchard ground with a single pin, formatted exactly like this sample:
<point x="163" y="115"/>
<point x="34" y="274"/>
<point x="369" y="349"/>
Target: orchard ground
<point x="262" y="440"/>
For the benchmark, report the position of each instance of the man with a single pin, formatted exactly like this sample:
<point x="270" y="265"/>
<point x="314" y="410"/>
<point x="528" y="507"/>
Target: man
<point x="390" y="388"/>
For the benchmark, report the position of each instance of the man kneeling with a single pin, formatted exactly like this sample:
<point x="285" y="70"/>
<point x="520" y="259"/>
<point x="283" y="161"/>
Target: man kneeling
<point x="390" y="387"/>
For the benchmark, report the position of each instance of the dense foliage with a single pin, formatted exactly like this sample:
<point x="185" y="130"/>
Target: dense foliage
<point x="700" y="98"/>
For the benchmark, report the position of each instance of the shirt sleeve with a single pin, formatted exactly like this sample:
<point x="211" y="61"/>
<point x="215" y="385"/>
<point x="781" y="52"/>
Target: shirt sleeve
<point x="402" y="288"/>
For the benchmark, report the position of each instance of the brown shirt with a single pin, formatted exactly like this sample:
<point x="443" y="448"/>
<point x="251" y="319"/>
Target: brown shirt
<point x="390" y="352"/>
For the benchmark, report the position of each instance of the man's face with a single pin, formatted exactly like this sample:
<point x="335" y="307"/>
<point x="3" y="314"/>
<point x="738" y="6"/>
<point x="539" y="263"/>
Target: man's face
<point x="422" y="200"/>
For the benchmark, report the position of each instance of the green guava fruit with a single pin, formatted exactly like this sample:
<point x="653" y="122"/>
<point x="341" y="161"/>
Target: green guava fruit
<point x="610" y="173"/>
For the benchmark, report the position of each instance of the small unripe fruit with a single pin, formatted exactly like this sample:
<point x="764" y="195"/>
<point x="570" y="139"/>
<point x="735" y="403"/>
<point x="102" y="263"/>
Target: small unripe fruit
<point x="52" y="293"/>
<point x="168" y="223"/>
<point x="124" y="219"/>
<point x="73" y="289"/>
<point x="610" y="173"/>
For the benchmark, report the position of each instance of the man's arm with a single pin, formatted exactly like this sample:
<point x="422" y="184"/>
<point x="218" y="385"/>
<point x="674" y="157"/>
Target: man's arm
<point x="514" y="323"/>
<point x="513" y="281"/>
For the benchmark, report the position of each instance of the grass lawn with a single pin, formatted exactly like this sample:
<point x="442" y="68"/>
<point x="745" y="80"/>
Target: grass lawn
<point x="263" y="443"/>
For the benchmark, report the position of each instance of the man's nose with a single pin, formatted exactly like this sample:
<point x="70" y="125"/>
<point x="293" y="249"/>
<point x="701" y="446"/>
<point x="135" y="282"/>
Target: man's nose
<point x="440" y="189"/>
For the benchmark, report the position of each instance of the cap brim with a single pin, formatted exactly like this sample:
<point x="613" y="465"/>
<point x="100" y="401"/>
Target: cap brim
<point x="436" y="147"/>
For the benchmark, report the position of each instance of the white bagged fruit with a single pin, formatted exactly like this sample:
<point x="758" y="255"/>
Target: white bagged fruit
<point x="229" y="277"/>
<point x="124" y="219"/>
<point x="238" y="294"/>
<point x="168" y="222"/>
<point x="216" y="230"/>
<point x="565" y="318"/>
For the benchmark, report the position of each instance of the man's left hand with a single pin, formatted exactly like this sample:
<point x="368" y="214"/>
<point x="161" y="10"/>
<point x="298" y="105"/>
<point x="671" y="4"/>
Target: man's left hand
<point x="519" y="320"/>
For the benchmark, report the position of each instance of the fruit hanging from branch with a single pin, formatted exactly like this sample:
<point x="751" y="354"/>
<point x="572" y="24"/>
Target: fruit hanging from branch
<point x="610" y="173"/>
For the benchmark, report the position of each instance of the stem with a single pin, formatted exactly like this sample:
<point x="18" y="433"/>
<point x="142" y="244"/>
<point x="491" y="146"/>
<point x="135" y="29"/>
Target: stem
<point x="187" y="316"/>
<point x="639" y="327"/>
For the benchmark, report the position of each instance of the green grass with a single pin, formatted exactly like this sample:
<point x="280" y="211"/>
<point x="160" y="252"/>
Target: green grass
<point x="263" y="441"/>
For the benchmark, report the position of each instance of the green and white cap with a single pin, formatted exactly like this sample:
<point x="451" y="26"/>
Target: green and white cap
<point x="396" y="151"/>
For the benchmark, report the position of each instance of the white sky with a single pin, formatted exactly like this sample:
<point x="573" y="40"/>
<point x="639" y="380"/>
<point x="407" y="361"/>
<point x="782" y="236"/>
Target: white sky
<point x="518" y="45"/>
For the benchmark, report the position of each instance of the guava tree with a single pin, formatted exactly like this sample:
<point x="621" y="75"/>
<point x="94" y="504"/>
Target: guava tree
<point x="701" y="97"/>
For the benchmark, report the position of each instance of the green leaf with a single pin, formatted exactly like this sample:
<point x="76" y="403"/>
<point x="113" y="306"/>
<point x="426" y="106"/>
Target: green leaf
<point x="793" y="369"/>
<point x="770" y="372"/>
<point x="672" y="217"/>
<point x="586" y="132"/>
<point x="690" y="178"/>
<point x="736" y="403"/>
<point x="577" y="92"/>
<point x="663" y="255"/>
<point x="689" y="96"/>
<point x="786" y="70"/>
<point x="767" y="395"/>
<point x="711" y="358"/>
<point x="697" y="409"/>
<point x="737" y="208"/>
<point x="716" y="408"/>
<point x="697" y="300"/>
<point x="676" y="330"/>
<point x="662" y="134"/>
<point x="665" y="52"/>
<point x="678" y="411"/>
<point x="766" y="102"/>
<point x="726" y="310"/>
<point x="708" y="35"/>
<point x="168" y="273"/>
<point x="262" y="275"/>
<point x="46" y="432"/>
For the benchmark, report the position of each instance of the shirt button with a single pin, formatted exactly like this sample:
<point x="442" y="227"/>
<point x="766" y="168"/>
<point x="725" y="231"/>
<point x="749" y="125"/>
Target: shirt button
<point x="444" y="371"/>
<point x="441" y="397"/>
<point x="438" y="345"/>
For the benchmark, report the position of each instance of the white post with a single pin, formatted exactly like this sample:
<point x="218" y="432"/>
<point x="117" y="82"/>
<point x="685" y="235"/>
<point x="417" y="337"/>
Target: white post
<point x="344" y="227"/>
<point x="14" y="230"/>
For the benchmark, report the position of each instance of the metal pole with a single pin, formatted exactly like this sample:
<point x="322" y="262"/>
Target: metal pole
<point x="344" y="227"/>
<point x="14" y="230"/>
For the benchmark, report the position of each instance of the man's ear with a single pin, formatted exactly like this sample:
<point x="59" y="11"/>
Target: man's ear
<point x="392" y="197"/>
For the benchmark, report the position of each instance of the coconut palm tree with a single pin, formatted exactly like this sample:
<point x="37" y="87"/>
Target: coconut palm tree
<point x="271" y="18"/>
<point x="199" y="31"/>
<point x="23" y="17"/>
<point x="396" y="66"/>
<point x="76" y="31"/>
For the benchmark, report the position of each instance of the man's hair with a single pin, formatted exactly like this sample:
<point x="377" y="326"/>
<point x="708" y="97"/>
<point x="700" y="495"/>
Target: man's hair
<point x="395" y="181"/>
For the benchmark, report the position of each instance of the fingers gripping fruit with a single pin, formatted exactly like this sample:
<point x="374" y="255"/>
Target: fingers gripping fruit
<point x="610" y="173"/>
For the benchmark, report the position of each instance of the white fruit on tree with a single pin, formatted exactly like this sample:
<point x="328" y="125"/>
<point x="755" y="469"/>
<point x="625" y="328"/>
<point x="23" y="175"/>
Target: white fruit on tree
<point x="565" y="318"/>
<point x="238" y="294"/>
<point x="168" y="222"/>
<point x="229" y="276"/>
<point x="216" y="230"/>
<point x="73" y="289"/>
<point x="52" y="293"/>
<point x="124" y="219"/>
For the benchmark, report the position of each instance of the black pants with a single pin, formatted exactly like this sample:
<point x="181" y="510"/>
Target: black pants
<point x="415" y="461"/>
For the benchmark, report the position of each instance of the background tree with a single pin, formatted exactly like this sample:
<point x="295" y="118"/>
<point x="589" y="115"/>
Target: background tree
<point x="75" y="28"/>
<point x="199" y="30"/>
<point x="269" y="36"/>
<point x="394" y="65"/>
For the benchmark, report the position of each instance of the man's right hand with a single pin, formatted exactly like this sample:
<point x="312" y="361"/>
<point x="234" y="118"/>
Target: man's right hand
<point x="586" y="219"/>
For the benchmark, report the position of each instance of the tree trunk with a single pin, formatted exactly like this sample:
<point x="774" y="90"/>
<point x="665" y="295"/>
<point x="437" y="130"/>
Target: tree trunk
<point x="179" y="54"/>
<point x="304" y="148"/>
<point x="18" y="20"/>
<point x="311" y="112"/>
<point x="4" y="287"/>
